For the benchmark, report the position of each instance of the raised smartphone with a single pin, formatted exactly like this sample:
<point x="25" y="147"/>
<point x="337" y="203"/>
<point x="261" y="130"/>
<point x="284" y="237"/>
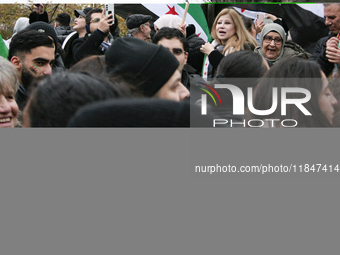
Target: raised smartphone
<point x="109" y="8"/>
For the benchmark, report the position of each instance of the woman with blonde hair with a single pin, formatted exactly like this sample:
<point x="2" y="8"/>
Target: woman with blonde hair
<point x="229" y="35"/>
<point x="8" y="87"/>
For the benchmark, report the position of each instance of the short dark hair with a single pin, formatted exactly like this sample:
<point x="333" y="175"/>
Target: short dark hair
<point x="58" y="96"/>
<point x="63" y="19"/>
<point x="169" y="33"/>
<point x="233" y="65"/>
<point x="26" y="40"/>
<point x="88" y="15"/>
<point x="241" y="68"/>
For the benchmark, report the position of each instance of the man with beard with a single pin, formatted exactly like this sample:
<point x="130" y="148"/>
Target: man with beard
<point x="32" y="53"/>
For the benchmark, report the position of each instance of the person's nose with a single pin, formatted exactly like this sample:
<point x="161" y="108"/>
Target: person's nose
<point x="184" y="92"/>
<point x="48" y="70"/>
<point x="4" y="105"/>
<point x="334" y="101"/>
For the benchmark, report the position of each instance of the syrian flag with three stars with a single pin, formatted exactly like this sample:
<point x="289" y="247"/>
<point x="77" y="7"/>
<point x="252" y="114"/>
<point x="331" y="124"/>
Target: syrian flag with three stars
<point x="194" y="16"/>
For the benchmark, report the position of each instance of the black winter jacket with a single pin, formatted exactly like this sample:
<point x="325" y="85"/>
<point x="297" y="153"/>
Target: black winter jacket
<point x="88" y="45"/>
<point x="62" y="32"/>
<point x="195" y="57"/>
<point x="34" y="16"/>
<point x="215" y="57"/>
<point x="319" y="55"/>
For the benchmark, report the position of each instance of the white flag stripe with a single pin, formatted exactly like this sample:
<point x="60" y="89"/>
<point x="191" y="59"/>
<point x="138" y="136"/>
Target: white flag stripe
<point x="162" y="9"/>
<point x="317" y="9"/>
<point x="247" y="13"/>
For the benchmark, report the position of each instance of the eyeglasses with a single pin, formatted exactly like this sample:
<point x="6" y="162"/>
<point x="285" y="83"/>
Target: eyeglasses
<point x="95" y="20"/>
<point x="269" y="39"/>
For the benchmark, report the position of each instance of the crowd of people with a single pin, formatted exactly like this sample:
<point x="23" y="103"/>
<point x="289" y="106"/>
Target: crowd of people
<point x="89" y="76"/>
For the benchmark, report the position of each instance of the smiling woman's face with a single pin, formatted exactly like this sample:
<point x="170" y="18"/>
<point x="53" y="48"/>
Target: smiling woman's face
<point x="8" y="108"/>
<point x="271" y="45"/>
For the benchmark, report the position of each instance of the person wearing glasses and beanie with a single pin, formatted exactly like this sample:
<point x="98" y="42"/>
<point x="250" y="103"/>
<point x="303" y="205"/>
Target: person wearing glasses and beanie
<point x="98" y="38"/>
<point x="273" y="45"/>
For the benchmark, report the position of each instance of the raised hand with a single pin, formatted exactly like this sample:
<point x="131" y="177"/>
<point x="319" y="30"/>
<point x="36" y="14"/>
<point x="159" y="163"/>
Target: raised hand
<point x="207" y="48"/>
<point x="105" y="22"/>
<point x="332" y="50"/>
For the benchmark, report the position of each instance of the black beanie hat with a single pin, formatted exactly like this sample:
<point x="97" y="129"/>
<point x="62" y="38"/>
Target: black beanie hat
<point x="146" y="65"/>
<point x="46" y="28"/>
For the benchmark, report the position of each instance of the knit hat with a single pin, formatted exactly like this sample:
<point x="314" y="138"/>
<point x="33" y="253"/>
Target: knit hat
<point x="46" y="28"/>
<point x="136" y="20"/>
<point x="141" y="63"/>
<point x="82" y="13"/>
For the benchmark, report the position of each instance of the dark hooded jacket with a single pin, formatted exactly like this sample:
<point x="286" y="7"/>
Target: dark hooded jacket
<point x="195" y="57"/>
<point x="89" y="45"/>
<point x="62" y="32"/>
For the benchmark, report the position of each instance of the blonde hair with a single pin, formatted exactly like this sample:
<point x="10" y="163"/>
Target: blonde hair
<point x="241" y="36"/>
<point x="8" y="76"/>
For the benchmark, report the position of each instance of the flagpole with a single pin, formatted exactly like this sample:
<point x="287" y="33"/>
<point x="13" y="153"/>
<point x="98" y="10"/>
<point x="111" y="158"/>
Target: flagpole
<point x="185" y="12"/>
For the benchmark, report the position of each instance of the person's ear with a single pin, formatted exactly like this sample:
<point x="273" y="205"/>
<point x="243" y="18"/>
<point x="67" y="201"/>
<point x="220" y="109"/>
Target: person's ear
<point x="186" y="54"/>
<point x="87" y="27"/>
<point x="16" y="61"/>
